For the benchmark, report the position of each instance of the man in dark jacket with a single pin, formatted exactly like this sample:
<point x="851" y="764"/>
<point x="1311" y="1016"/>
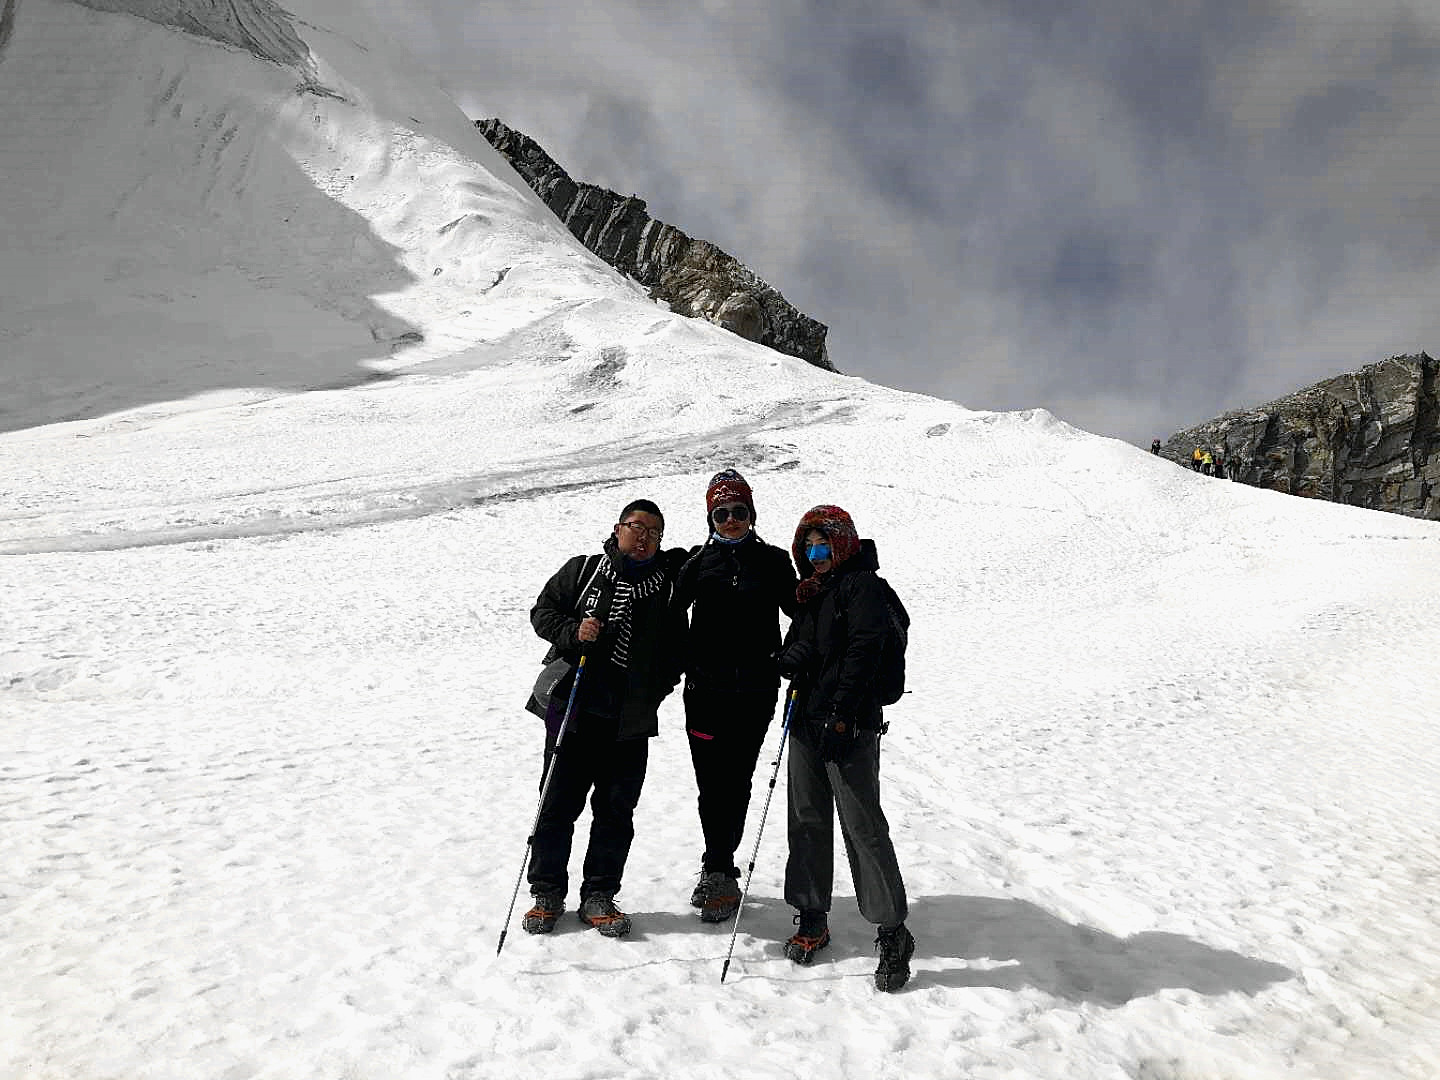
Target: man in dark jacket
<point x="833" y="651"/>
<point x="616" y="609"/>
<point x="736" y="585"/>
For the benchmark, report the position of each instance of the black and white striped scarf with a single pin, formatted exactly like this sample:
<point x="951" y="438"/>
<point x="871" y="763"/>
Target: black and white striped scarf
<point x="625" y="592"/>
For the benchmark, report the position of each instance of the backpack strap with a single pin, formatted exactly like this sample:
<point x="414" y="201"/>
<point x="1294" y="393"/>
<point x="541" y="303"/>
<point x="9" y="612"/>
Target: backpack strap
<point x="588" y="578"/>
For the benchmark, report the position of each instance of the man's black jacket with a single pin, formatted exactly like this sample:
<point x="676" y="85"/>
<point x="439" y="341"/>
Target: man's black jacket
<point x="656" y="640"/>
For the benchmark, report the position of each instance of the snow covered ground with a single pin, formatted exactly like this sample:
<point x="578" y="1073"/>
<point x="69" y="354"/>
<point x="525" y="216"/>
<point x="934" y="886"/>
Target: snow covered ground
<point x="304" y="396"/>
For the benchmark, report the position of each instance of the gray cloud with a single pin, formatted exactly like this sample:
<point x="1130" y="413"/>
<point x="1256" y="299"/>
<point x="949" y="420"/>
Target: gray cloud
<point x="1136" y="215"/>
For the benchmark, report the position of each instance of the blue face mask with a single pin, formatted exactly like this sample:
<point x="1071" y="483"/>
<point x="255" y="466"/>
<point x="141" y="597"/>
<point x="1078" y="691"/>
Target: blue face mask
<point x="817" y="552"/>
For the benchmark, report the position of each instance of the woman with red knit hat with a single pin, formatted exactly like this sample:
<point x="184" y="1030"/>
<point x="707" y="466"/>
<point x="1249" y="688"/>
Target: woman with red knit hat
<point x="832" y="652"/>
<point x="736" y="586"/>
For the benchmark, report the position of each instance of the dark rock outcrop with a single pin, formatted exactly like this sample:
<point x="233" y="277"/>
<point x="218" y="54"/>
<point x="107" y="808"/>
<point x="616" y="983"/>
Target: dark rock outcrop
<point x="693" y="276"/>
<point x="1368" y="438"/>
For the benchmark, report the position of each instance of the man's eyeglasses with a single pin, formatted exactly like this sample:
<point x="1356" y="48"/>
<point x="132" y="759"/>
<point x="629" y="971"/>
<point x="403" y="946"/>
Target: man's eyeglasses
<point x="640" y="530"/>
<point x="722" y="514"/>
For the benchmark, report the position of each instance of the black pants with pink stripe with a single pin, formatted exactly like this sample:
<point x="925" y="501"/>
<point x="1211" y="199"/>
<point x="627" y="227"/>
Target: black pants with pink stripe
<point x="726" y="731"/>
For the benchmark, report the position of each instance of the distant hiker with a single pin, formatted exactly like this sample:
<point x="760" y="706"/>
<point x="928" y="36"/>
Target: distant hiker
<point x="832" y="650"/>
<point x="737" y="586"/>
<point x="1218" y="469"/>
<point x="1154" y="446"/>
<point x="1207" y="464"/>
<point x="616" y="609"/>
<point x="1196" y="459"/>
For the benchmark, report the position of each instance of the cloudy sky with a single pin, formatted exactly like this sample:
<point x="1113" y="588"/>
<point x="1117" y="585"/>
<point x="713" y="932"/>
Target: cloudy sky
<point x="1136" y="215"/>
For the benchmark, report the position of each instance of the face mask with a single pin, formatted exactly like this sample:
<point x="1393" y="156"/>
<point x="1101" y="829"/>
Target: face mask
<point x="817" y="552"/>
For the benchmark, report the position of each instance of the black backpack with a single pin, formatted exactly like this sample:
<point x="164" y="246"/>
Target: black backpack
<point x="890" y="675"/>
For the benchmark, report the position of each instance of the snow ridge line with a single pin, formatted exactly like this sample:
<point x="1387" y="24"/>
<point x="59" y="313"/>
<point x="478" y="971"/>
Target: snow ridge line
<point x="260" y="27"/>
<point x="663" y="457"/>
<point x="290" y="525"/>
<point x="7" y="23"/>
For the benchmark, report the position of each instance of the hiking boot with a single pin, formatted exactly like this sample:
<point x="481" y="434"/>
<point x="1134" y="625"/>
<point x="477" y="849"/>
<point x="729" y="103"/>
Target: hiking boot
<point x="896" y="948"/>
<point x="600" y="912"/>
<point x="541" y="918"/>
<point x="701" y="891"/>
<point x="722" y="896"/>
<point x="812" y="936"/>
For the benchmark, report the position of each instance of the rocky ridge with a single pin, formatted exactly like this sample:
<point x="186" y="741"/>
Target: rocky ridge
<point x="694" y="277"/>
<point x="1366" y="438"/>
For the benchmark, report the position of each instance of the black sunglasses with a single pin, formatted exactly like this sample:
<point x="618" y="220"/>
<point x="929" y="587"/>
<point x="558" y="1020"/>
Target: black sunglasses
<point x="722" y="514"/>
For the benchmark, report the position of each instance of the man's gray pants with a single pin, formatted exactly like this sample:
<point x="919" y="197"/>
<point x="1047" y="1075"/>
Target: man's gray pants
<point x="817" y="792"/>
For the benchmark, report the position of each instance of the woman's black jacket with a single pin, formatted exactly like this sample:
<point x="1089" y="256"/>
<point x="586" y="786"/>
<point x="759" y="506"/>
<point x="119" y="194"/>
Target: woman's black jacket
<point x="736" y="593"/>
<point x="834" y="645"/>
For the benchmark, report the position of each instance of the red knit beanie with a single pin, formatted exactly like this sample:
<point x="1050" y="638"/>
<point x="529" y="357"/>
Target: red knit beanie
<point x="728" y="487"/>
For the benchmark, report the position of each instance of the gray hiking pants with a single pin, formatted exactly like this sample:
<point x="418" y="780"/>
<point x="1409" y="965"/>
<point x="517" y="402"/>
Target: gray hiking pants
<point x="817" y="792"/>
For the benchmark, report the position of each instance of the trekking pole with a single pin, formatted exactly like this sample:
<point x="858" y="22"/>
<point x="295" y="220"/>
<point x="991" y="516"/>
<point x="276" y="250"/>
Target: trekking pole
<point x="544" y="790"/>
<point x="749" y="873"/>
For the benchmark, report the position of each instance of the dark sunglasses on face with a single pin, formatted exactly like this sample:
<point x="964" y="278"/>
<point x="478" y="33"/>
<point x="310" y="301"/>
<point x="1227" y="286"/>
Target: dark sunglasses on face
<point x="722" y="514"/>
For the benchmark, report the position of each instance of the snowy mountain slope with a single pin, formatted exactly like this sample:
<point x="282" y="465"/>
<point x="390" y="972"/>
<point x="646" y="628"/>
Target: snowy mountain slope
<point x="272" y="229"/>
<point x="1164" y="791"/>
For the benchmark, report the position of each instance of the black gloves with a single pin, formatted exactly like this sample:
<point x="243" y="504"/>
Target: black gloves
<point x="838" y="737"/>
<point x="794" y="658"/>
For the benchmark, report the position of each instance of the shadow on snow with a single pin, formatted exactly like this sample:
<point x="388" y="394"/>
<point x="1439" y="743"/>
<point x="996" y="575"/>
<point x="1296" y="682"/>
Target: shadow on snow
<point x="1012" y="944"/>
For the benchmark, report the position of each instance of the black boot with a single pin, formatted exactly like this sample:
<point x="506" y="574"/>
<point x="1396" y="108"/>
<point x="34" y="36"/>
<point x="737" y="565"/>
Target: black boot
<point x="896" y="948"/>
<point x="540" y="919"/>
<point x="700" y="892"/>
<point x="812" y="936"/>
<point x="600" y="912"/>
<point x="722" y="896"/>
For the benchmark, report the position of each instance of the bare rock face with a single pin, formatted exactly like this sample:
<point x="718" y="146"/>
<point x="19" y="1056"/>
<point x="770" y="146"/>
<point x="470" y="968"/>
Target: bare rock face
<point x="1368" y="438"/>
<point x="693" y="276"/>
